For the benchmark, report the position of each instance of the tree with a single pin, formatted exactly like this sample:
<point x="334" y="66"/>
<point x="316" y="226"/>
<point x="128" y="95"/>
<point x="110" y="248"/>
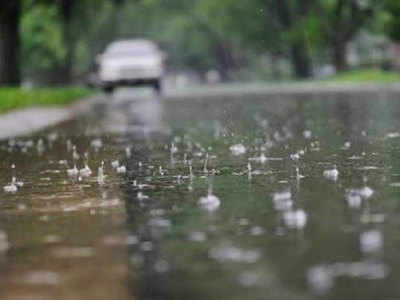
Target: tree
<point x="72" y="18"/>
<point x="341" y="20"/>
<point x="277" y="27"/>
<point x="392" y="22"/>
<point x="55" y="48"/>
<point x="66" y="8"/>
<point x="290" y="16"/>
<point x="10" y="43"/>
<point x="217" y="49"/>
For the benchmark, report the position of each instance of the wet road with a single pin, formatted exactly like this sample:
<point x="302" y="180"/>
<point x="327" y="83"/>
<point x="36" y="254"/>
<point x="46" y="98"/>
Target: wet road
<point x="263" y="197"/>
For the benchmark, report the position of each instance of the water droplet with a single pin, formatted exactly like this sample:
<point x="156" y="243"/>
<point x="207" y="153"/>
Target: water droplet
<point x="86" y="171"/>
<point x="100" y="174"/>
<point x="238" y="149"/>
<point x="146" y="246"/>
<point x="142" y="196"/>
<point x="371" y="241"/>
<point x="73" y="172"/>
<point x="282" y="200"/>
<point x="197" y="236"/>
<point x="353" y="199"/>
<point x="4" y="244"/>
<point x="296" y="219"/>
<point x="161" y="266"/>
<point x="115" y="164"/>
<point x="226" y="252"/>
<point x="257" y="231"/>
<point x="72" y="252"/>
<point x="209" y="202"/>
<point x="96" y="143"/>
<point x="295" y="156"/>
<point x="41" y="277"/>
<point x="307" y="134"/>
<point x="331" y="174"/>
<point x="121" y="170"/>
<point x="320" y="278"/>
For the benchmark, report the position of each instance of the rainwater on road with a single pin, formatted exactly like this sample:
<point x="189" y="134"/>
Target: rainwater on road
<point x="239" y="197"/>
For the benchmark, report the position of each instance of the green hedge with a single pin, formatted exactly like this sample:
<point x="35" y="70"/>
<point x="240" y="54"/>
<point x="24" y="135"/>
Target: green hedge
<point x="370" y="75"/>
<point x="14" y="98"/>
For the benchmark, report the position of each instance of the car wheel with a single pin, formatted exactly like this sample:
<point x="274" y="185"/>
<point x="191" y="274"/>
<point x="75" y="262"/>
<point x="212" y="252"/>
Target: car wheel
<point x="157" y="86"/>
<point x="108" y="89"/>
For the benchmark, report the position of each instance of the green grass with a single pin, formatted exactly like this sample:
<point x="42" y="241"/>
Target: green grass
<point x="15" y="98"/>
<point x="370" y="76"/>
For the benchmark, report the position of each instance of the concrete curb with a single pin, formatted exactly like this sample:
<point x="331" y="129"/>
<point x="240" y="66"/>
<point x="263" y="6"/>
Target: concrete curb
<point x="280" y="89"/>
<point x="26" y="121"/>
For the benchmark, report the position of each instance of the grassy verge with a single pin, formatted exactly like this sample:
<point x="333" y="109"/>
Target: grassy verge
<point x="14" y="98"/>
<point x="368" y="76"/>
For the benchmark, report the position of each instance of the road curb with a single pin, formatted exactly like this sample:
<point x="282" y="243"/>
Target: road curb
<point x="26" y="121"/>
<point x="281" y="89"/>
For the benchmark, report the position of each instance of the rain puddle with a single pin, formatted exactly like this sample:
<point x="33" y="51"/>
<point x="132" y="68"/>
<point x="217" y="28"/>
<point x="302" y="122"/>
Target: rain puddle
<point x="278" y="198"/>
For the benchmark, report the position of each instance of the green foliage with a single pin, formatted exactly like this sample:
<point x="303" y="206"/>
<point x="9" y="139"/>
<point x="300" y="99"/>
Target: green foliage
<point x="371" y="75"/>
<point x="391" y="22"/>
<point x="200" y="34"/>
<point x="42" y="47"/>
<point x="13" y="98"/>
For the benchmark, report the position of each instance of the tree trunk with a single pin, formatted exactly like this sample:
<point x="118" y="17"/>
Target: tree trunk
<point x="66" y="13"/>
<point x="299" y="53"/>
<point x="226" y="61"/>
<point x="301" y="60"/>
<point x="10" y="73"/>
<point x="275" y="70"/>
<point x="339" y="50"/>
<point x="221" y="48"/>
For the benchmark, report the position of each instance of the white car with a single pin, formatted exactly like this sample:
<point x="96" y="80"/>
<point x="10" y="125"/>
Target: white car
<point x="130" y="63"/>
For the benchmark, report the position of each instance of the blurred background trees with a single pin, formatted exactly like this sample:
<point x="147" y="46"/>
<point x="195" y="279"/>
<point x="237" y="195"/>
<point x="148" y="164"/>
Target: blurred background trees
<point x="10" y="14"/>
<point x="56" y="41"/>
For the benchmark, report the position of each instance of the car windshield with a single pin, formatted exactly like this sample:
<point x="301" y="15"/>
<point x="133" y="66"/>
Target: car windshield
<point x="129" y="48"/>
<point x="131" y="52"/>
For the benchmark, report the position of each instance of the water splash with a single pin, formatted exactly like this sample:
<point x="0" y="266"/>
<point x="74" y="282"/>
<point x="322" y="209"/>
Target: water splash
<point x="191" y="175"/>
<point x="121" y="170"/>
<point x="331" y="174"/>
<point x="197" y="236"/>
<point x="298" y="175"/>
<point x="228" y="253"/>
<point x="205" y="170"/>
<point x="142" y="196"/>
<point x="85" y="171"/>
<point x="249" y="170"/>
<point x="115" y="164"/>
<point x="321" y="278"/>
<point x="75" y="155"/>
<point x="307" y="134"/>
<point x="371" y="241"/>
<point x="161" y="171"/>
<point x="128" y="152"/>
<point x="100" y="174"/>
<point x="296" y="219"/>
<point x="238" y="149"/>
<point x="15" y="184"/>
<point x="4" y="244"/>
<point x="282" y="200"/>
<point x="96" y="144"/>
<point x="73" y="172"/>
<point x="354" y="197"/>
<point x="295" y="156"/>
<point x="210" y="202"/>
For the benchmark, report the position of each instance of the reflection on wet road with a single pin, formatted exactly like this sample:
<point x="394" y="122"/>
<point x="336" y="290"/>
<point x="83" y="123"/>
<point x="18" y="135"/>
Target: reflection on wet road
<point x="291" y="197"/>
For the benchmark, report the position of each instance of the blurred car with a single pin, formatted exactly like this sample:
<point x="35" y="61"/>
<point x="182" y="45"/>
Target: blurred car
<point x="130" y="63"/>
